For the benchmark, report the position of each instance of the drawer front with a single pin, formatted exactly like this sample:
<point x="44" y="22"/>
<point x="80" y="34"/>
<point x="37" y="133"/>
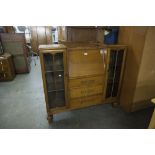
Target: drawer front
<point x="86" y="101"/>
<point x="86" y="81"/>
<point x="85" y="91"/>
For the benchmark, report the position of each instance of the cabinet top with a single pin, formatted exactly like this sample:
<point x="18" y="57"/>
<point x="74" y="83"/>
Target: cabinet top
<point x="52" y="47"/>
<point x="78" y="46"/>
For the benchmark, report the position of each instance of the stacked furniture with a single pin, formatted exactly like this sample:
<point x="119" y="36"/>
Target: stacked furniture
<point x="80" y="34"/>
<point x="40" y="35"/>
<point x="15" y="44"/>
<point x="80" y="76"/>
<point x="138" y="85"/>
<point x="7" y="71"/>
<point x="7" y="29"/>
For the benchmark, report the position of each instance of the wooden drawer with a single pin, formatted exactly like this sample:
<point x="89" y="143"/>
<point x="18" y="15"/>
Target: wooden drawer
<point x="86" y="81"/>
<point x="85" y="91"/>
<point x="86" y="101"/>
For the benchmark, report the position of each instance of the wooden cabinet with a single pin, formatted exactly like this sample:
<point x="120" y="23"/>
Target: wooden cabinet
<point x="80" y="34"/>
<point x="53" y="64"/>
<point x="16" y="45"/>
<point x="77" y="77"/>
<point x="7" y="29"/>
<point x="40" y="35"/>
<point x="138" y="86"/>
<point x="7" y="71"/>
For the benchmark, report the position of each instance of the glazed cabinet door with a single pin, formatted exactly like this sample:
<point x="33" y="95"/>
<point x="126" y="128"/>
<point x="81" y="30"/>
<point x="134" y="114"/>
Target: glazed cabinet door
<point x="53" y="68"/>
<point x="114" y="72"/>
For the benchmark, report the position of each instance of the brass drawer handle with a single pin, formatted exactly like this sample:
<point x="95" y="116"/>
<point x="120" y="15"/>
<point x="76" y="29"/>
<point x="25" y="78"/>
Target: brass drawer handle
<point x="85" y="53"/>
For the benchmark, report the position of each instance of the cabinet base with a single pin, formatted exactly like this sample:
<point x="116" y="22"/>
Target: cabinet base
<point x="50" y="119"/>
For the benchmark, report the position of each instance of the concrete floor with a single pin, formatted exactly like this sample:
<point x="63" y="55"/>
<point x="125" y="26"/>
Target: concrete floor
<point x="22" y="105"/>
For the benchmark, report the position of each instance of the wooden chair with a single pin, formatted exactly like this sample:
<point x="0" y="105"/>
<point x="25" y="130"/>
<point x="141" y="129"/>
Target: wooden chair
<point x="152" y="122"/>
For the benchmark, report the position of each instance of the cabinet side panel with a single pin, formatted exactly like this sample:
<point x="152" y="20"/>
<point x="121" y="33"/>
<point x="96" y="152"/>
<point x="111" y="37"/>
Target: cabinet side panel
<point x="134" y="38"/>
<point x="145" y="88"/>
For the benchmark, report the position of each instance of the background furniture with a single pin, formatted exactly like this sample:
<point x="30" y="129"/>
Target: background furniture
<point x="7" y="29"/>
<point x="40" y="35"/>
<point x="15" y="44"/>
<point x="7" y="71"/>
<point x="80" y="34"/>
<point x="76" y="77"/>
<point x="138" y="85"/>
<point x="26" y="31"/>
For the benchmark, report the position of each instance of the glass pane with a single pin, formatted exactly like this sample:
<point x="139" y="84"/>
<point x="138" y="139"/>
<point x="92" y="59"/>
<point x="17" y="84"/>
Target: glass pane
<point x="59" y="77"/>
<point x="50" y="81"/>
<point x="120" y="57"/>
<point x="115" y="89"/>
<point x="117" y="74"/>
<point x="111" y="73"/>
<point x="48" y="59"/>
<point x="109" y="90"/>
<point x="56" y="99"/>
<point x="115" y="65"/>
<point x="113" y="54"/>
<point x="58" y="61"/>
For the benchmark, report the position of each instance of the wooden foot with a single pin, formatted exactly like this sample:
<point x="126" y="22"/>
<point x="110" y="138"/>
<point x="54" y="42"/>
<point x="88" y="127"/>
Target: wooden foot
<point x="50" y="118"/>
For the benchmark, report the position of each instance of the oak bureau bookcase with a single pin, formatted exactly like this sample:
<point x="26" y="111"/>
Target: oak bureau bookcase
<point x="80" y="76"/>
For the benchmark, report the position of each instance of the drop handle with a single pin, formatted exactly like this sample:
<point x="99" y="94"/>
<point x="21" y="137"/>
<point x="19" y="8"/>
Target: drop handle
<point x="85" y="53"/>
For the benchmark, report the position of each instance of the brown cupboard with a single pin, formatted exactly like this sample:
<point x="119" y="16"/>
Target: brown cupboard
<point x="77" y="77"/>
<point x="80" y="34"/>
<point x="7" y="71"/>
<point x="40" y="35"/>
<point x="138" y="85"/>
<point x="15" y="44"/>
